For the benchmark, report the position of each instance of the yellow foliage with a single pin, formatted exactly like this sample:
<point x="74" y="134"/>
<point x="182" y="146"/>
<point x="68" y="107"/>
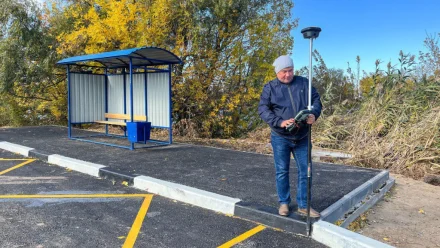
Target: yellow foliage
<point x="112" y="25"/>
<point x="227" y="56"/>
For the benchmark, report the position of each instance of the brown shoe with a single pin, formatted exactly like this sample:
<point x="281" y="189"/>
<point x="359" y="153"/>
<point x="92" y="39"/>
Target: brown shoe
<point x="313" y="212"/>
<point x="283" y="210"/>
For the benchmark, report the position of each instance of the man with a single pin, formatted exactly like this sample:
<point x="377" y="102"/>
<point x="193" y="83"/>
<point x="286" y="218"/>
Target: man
<point x="278" y="108"/>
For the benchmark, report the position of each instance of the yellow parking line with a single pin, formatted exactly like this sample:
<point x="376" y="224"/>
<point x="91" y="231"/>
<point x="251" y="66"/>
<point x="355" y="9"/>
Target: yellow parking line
<point x="74" y="196"/>
<point x="243" y="237"/>
<point x="17" y="166"/>
<point x="12" y="159"/>
<point x="137" y="224"/>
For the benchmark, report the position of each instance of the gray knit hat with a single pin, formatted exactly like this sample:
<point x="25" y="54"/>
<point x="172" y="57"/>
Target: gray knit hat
<point x="282" y="62"/>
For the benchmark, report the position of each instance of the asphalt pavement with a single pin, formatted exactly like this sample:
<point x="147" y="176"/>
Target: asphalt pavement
<point x="239" y="184"/>
<point x="247" y="176"/>
<point x="43" y="205"/>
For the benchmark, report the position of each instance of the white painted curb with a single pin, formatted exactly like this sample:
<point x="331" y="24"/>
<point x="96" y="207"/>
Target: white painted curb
<point x="201" y="198"/>
<point x="23" y="150"/>
<point x="338" y="237"/>
<point x="75" y="164"/>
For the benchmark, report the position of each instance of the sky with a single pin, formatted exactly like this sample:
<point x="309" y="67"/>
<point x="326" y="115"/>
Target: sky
<point x="372" y="29"/>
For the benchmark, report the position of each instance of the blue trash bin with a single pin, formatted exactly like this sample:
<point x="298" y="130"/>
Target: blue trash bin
<point x="138" y="131"/>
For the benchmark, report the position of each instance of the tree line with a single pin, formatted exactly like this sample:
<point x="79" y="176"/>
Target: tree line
<point x="227" y="49"/>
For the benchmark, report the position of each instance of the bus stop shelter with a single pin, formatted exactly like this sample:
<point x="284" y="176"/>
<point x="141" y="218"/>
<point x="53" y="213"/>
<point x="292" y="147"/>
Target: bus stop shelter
<point x="128" y="88"/>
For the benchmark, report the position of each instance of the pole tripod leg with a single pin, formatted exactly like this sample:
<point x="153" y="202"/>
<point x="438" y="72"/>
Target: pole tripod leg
<point x="310" y="33"/>
<point x="309" y="180"/>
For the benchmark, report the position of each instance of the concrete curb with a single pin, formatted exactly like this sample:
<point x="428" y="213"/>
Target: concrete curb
<point x="338" y="237"/>
<point x="368" y="203"/>
<point x="197" y="197"/>
<point x="112" y="174"/>
<point x="269" y="216"/>
<point x="338" y="209"/>
<point x="76" y="164"/>
<point x="39" y="154"/>
<point x="331" y="154"/>
<point x="23" y="150"/>
<point x="324" y="156"/>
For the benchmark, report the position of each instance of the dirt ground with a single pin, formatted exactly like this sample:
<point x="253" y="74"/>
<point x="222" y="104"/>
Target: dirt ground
<point x="409" y="215"/>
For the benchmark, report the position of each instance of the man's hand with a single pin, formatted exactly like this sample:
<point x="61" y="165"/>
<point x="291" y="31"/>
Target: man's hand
<point x="311" y="119"/>
<point x="287" y="122"/>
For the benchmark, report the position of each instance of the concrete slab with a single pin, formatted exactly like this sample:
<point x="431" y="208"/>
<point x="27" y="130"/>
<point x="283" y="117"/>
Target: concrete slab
<point x="327" y="153"/>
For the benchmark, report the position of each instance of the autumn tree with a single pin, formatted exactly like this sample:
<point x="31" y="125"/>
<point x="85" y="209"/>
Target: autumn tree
<point x="31" y="91"/>
<point x="227" y="48"/>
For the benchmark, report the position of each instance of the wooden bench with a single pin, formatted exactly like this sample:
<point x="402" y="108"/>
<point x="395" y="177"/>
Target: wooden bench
<point x="121" y="117"/>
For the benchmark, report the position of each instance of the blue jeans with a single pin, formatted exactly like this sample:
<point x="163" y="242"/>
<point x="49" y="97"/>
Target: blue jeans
<point x="282" y="148"/>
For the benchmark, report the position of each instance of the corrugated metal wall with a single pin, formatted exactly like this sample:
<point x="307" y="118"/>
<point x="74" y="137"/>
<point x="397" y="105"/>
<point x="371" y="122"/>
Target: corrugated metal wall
<point x="158" y="95"/>
<point x="87" y="97"/>
<point x="138" y="94"/>
<point x="115" y="97"/>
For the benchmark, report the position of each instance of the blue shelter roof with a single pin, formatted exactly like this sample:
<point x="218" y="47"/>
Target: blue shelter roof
<point x="141" y="56"/>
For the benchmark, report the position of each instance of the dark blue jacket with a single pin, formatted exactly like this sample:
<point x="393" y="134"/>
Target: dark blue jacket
<point x="275" y="105"/>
